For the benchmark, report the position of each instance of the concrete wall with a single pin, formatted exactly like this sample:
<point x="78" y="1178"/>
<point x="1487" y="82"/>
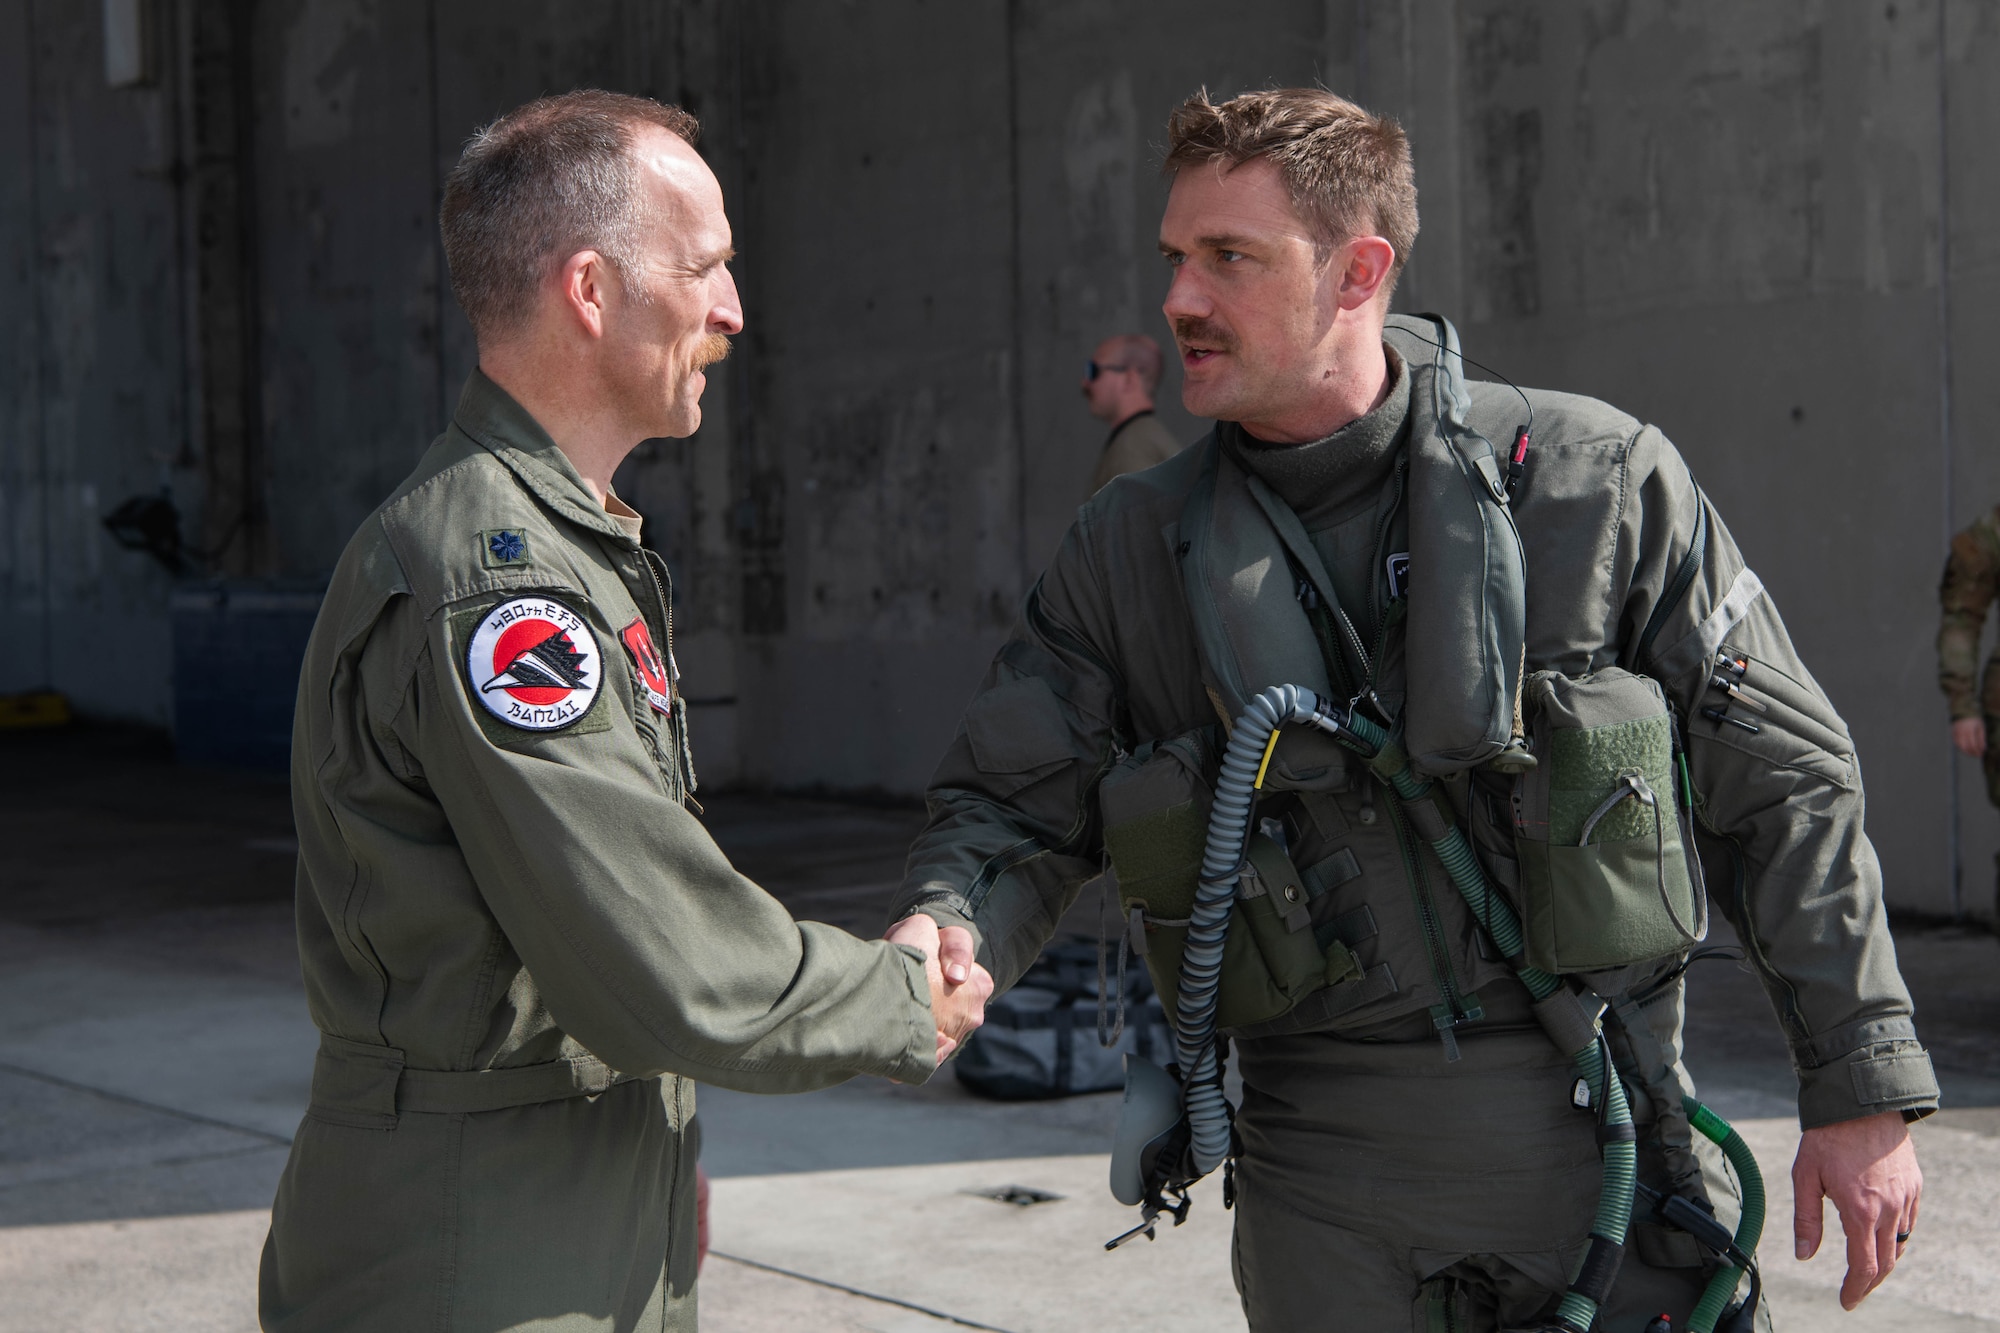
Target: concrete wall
<point x="1728" y="219"/>
<point x="93" y="403"/>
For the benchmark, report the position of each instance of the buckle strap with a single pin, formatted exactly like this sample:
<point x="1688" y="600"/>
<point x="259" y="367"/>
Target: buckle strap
<point x="368" y="1086"/>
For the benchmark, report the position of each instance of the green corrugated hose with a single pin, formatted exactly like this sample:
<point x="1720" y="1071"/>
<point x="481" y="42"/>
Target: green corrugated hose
<point x="1749" y="1229"/>
<point x="1621" y="1166"/>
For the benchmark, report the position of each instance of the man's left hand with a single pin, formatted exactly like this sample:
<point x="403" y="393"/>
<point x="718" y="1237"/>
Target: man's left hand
<point x="1868" y="1168"/>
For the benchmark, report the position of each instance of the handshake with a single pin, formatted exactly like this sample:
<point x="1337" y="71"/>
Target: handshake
<point x="960" y="987"/>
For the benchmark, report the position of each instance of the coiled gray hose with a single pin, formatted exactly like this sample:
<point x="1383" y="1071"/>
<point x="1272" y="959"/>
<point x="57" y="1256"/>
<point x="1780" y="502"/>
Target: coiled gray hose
<point x="1208" y="923"/>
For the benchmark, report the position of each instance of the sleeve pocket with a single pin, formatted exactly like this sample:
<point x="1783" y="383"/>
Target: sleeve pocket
<point x="1017" y="728"/>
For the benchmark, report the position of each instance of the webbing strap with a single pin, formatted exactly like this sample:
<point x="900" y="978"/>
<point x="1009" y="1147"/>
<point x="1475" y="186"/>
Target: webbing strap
<point x="366" y="1085"/>
<point x="1671" y="596"/>
<point x="1600" y="1269"/>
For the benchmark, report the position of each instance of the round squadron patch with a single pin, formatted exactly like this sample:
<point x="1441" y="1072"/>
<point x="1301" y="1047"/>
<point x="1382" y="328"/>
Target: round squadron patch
<point x="534" y="664"/>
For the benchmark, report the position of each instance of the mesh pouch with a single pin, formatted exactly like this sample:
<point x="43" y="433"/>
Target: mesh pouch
<point x="1601" y="827"/>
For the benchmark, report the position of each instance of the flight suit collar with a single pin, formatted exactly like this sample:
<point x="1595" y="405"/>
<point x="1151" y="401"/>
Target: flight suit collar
<point x="490" y="415"/>
<point x="1327" y="476"/>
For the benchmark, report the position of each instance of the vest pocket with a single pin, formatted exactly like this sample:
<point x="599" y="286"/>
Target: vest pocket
<point x="1605" y="875"/>
<point x="1156" y="824"/>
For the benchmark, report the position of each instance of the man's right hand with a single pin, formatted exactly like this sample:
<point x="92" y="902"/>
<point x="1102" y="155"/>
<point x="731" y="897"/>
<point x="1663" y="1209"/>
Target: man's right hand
<point x="1969" y="735"/>
<point x="958" y="1007"/>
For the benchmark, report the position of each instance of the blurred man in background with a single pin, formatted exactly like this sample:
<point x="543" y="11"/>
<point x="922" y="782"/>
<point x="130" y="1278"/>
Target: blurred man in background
<point x="1971" y="581"/>
<point x="1119" y="382"/>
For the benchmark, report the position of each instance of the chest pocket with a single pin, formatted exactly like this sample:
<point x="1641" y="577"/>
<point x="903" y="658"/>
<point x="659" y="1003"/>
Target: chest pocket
<point x="1155" y="806"/>
<point x="1606" y="880"/>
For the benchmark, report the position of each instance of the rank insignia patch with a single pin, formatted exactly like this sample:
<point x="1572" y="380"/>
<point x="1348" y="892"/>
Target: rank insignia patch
<point x="534" y="664"/>
<point x="503" y="547"/>
<point x="654" y="673"/>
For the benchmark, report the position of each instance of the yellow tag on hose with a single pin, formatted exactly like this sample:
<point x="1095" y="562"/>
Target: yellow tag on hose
<point x="1270" y="747"/>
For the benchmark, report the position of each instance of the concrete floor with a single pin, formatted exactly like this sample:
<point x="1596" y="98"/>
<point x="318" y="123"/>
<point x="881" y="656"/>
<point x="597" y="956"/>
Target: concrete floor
<point x="154" y="1052"/>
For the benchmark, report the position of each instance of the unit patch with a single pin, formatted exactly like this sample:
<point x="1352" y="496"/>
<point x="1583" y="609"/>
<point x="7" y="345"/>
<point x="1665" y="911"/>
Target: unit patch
<point x="534" y="664"/>
<point x="502" y="548"/>
<point x="654" y="674"/>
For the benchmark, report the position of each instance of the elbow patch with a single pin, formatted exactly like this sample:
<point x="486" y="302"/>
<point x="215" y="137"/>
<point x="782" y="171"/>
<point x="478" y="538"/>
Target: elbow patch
<point x="1017" y="733"/>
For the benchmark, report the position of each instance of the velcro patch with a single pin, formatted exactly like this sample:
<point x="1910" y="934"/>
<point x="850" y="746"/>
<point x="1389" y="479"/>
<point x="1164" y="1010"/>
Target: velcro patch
<point x="533" y="663"/>
<point x="1892" y="1076"/>
<point x="503" y="548"/>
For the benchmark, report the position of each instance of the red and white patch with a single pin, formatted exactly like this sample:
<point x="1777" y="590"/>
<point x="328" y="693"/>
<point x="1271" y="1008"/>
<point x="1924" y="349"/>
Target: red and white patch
<point x="655" y="675"/>
<point x="534" y="664"/>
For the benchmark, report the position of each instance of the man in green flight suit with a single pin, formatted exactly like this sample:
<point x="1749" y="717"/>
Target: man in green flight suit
<point x="1971" y="583"/>
<point x="519" y="947"/>
<point x="1409" y="1155"/>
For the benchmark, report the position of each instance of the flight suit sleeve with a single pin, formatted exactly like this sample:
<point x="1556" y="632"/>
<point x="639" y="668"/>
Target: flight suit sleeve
<point x="1779" y="809"/>
<point x="1014" y="830"/>
<point x="644" y="942"/>
<point x="1965" y="592"/>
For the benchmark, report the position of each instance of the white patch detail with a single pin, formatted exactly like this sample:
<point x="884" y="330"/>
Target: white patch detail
<point x="534" y="664"/>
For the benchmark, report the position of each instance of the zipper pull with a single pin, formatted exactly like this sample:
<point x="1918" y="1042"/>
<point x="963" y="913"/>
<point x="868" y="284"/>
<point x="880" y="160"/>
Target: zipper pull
<point x="1446" y="1022"/>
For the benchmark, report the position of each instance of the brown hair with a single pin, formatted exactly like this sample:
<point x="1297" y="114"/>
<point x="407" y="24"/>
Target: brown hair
<point x="539" y="184"/>
<point x="1348" y="172"/>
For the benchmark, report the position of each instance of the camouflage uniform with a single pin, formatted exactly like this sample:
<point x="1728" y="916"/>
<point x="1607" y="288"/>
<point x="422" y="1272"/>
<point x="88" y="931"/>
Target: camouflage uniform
<point x="1971" y="581"/>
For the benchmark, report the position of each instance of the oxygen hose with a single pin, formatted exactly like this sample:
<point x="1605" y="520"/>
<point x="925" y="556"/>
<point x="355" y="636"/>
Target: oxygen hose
<point x="1564" y="1020"/>
<point x="1208" y="923"/>
<point x="1562" y="1014"/>
<point x="1222" y="864"/>
<point x="1749" y="1227"/>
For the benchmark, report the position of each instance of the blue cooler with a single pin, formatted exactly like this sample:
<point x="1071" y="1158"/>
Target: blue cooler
<point x="238" y="647"/>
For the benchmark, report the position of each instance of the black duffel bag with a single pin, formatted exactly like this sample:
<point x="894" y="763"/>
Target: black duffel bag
<point x="1053" y="1036"/>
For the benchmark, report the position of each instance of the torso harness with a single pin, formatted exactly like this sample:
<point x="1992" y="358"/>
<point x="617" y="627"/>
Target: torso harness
<point x="1176" y="1125"/>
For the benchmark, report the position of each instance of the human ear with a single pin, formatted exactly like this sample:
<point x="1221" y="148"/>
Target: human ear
<point x="585" y="281"/>
<point x="1364" y="263"/>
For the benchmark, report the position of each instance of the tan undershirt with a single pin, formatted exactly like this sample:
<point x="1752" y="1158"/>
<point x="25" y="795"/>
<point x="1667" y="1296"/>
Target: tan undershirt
<point x="624" y="515"/>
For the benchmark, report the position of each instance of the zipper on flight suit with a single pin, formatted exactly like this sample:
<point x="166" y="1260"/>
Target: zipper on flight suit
<point x="1455" y="1008"/>
<point x="677" y="720"/>
<point x="1386" y="613"/>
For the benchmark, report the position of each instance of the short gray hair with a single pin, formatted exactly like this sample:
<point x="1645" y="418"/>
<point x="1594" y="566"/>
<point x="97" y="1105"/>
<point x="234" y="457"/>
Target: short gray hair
<point x="1143" y="355"/>
<point x="539" y="184"/>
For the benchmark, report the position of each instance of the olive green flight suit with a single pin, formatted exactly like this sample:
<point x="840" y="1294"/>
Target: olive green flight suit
<point x="1138" y="443"/>
<point x="1971" y="583"/>
<point x="1382" y="1184"/>
<point x="519" y="947"/>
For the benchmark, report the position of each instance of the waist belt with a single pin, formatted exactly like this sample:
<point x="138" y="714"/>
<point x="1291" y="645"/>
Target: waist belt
<point x="367" y="1086"/>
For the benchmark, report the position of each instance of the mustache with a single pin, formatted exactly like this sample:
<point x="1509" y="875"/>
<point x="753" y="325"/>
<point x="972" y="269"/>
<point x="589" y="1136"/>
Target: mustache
<point x="712" y="348"/>
<point x="1193" y="329"/>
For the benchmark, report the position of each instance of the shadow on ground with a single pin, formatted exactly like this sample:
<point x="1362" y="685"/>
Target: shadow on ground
<point x="156" y="1019"/>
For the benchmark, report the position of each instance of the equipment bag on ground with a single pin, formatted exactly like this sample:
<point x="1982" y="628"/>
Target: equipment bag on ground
<point x="1041" y="1038"/>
